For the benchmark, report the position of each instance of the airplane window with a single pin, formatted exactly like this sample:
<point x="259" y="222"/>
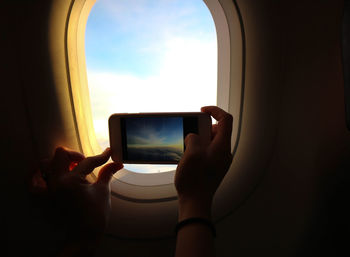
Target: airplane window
<point x="149" y="56"/>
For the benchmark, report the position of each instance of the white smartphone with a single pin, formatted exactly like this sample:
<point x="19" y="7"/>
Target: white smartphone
<point x="155" y="138"/>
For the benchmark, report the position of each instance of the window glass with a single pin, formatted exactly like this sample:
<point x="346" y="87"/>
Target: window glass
<point x="149" y="56"/>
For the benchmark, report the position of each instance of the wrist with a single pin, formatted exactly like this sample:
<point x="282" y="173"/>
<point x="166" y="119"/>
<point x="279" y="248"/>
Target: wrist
<point x="191" y="221"/>
<point x="190" y="208"/>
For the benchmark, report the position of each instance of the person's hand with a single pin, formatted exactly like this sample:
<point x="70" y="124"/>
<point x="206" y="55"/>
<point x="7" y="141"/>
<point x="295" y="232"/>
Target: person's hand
<point x="83" y="206"/>
<point x="202" y="167"/>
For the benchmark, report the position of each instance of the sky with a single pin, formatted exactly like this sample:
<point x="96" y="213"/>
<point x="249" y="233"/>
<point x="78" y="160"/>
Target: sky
<point x="155" y="132"/>
<point x="149" y="56"/>
<point x="131" y="36"/>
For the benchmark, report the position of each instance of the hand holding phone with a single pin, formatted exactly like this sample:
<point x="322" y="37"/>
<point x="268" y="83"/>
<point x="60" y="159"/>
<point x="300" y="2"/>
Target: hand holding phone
<point x="155" y="138"/>
<point x="203" y="167"/>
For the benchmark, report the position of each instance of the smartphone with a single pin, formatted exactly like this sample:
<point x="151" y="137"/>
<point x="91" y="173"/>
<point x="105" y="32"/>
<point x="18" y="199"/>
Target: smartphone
<point x="155" y="138"/>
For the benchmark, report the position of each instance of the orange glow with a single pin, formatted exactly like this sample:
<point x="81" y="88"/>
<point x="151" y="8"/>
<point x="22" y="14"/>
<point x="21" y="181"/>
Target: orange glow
<point x="72" y="165"/>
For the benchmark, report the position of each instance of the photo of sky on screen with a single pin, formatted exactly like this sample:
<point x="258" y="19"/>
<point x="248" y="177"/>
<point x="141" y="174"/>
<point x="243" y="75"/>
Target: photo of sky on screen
<point x="154" y="139"/>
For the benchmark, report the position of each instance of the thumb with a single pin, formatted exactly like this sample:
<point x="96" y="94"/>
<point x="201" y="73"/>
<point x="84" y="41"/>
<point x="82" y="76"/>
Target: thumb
<point x="107" y="171"/>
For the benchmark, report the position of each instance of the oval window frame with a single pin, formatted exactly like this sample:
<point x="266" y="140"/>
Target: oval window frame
<point x="154" y="187"/>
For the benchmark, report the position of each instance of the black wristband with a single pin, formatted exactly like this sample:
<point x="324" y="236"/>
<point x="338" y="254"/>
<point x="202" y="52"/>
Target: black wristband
<point x="203" y="221"/>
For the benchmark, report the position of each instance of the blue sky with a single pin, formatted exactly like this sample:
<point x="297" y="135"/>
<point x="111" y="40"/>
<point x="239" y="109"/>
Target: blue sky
<point x="129" y="36"/>
<point x="149" y="56"/>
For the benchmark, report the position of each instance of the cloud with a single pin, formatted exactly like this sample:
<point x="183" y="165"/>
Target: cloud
<point x="154" y="153"/>
<point x="130" y="22"/>
<point x="173" y="39"/>
<point x="148" y="139"/>
<point x="186" y="81"/>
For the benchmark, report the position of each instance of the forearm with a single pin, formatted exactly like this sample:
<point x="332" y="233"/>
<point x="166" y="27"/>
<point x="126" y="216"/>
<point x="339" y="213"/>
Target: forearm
<point x="196" y="238"/>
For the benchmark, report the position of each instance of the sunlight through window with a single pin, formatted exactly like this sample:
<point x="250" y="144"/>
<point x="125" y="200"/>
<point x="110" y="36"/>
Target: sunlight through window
<point x="149" y="56"/>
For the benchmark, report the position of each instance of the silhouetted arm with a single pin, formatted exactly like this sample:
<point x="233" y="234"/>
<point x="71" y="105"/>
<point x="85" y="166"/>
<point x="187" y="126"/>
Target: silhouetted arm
<point x="82" y="206"/>
<point x="197" y="178"/>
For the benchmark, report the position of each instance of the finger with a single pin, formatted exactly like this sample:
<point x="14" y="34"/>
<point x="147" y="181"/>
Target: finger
<point x="63" y="160"/>
<point x="224" y="126"/>
<point x="75" y="156"/>
<point x="192" y="142"/>
<point x="214" y="130"/>
<point x="73" y="165"/>
<point x="60" y="161"/>
<point x="87" y="165"/>
<point x="107" y="171"/>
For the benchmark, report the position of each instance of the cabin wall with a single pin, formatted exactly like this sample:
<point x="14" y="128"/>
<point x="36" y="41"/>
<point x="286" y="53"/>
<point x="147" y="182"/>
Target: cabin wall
<point x="32" y="122"/>
<point x="296" y="210"/>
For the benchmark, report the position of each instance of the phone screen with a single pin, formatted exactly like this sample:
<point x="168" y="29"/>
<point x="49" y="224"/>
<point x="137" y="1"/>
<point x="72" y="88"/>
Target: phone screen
<point x="156" y="139"/>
